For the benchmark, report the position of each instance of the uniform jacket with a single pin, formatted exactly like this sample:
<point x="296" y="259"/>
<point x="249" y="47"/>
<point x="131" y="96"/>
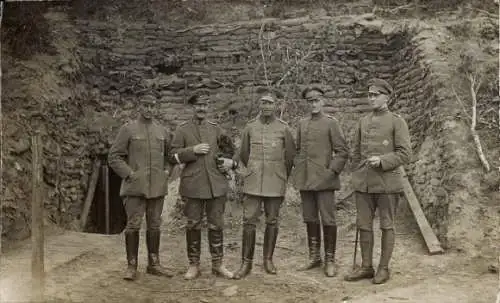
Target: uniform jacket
<point x="386" y="135"/>
<point x="321" y="154"/>
<point x="200" y="178"/>
<point x="140" y="152"/>
<point x="267" y="151"/>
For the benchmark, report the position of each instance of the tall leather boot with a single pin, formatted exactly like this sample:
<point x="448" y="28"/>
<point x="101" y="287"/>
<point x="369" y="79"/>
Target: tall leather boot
<point x="153" y="245"/>
<point x="216" y="243"/>
<point x="388" y="239"/>
<point x="366" y="270"/>
<point x="330" y="242"/>
<point x="132" y="249"/>
<point x="270" y="236"/>
<point x="193" y="241"/>
<point x="314" y="244"/>
<point x="247" y="252"/>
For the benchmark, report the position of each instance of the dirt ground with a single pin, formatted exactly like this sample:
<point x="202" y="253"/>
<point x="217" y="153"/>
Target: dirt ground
<point x="94" y="273"/>
<point x="88" y="267"/>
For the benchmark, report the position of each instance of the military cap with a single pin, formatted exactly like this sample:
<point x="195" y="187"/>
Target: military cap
<point x="269" y="94"/>
<point x="381" y="85"/>
<point x="310" y="89"/>
<point x="199" y="97"/>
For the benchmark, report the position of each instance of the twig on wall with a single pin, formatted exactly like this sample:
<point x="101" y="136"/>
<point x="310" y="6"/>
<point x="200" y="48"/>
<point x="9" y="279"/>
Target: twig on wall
<point x="473" y="91"/>
<point x="262" y="52"/>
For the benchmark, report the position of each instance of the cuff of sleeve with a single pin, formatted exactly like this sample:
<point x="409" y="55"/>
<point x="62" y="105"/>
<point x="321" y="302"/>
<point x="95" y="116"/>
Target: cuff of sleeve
<point x="187" y="155"/>
<point x="176" y="156"/>
<point x="384" y="167"/>
<point x="128" y="175"/>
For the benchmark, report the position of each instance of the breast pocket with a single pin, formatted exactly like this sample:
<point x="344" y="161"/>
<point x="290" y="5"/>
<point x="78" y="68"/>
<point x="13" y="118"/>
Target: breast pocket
<point x="159" y="144"/>
<point x="137" y="144"/>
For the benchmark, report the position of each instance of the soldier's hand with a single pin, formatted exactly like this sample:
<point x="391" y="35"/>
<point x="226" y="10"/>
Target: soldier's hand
<point x="201" y="149"/>
<point x="130" y="177"/>
<point x="373" y="161"/>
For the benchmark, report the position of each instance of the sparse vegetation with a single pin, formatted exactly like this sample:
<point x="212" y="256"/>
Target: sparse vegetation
<point x="474" y="71"/>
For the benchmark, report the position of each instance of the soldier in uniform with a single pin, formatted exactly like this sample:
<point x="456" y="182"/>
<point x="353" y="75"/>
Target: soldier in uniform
<point x="139" y="155"/>
<point x="267" y="151"/>
<point x="321" y="156"/>
<point x="381" y="145"/>
<point x="203" y="185"/>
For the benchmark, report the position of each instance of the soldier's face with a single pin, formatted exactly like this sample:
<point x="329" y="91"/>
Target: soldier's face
<point x="200" y="108"/>
<point x="148" y="109"/>
<point x="267" y="106"/>
<point x="377" y="99"/>
<point x="315" y="101"/>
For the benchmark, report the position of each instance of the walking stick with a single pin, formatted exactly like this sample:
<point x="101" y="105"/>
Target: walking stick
<point x="355" y="249"/>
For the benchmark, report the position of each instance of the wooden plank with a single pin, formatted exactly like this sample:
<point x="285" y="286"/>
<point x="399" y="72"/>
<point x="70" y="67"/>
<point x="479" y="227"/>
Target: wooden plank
<point x="37" y="237"/>
<point x="432" y="242"/>
<point x="105" y="176"/>
<point x="498" y="293"/>
<point x="90" y="193"/>
<point x="1" y="136"/>
<point x="59" y="165"/>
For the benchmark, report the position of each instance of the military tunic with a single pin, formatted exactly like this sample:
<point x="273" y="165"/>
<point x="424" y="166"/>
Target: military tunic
<point x="267" y="151"/>
<point x="139" y="155"/>
<point x="202" y="184"/>
<point x="200" y="177"/>
<point x="321" y="156"/>
<point x="386" y="135"/>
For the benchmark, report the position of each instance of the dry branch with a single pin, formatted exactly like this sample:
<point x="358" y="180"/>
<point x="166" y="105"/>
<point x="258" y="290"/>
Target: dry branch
<point x="461" y="103"/>
<point x="262" y="53"/>
<point x="397" y="9"/>
<point x="495" y="16"/>
<point x="475" y="136"/>
<point x="468" y="116"/>
<point x="297" y="64"/>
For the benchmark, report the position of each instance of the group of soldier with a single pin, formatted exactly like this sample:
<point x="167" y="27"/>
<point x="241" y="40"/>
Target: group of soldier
<point x="269" y="156"/>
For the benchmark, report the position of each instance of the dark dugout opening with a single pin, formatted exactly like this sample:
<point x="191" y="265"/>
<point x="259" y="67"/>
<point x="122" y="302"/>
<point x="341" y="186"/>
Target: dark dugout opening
<point x="116" y="214"/>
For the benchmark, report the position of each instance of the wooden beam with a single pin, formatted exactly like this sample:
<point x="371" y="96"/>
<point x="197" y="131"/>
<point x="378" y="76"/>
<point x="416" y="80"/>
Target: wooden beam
<point x="1" y="134"/>
<point x="37" y="237"/>
<point x="90" y="194"/>
<point x="432" y="242"/>
<point x="105" y="176"/>
<point x="498" y="293"/>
